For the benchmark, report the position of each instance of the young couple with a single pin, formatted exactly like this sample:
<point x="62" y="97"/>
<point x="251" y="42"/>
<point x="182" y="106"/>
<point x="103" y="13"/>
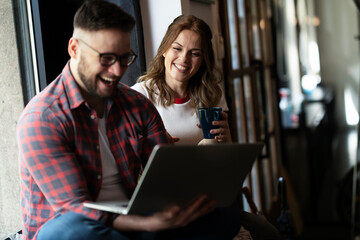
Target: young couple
<point x="86" y="136"/>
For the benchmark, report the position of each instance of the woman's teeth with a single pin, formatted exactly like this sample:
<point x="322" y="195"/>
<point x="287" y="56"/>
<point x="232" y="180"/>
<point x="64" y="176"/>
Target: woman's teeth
<point x="180" y="67"/>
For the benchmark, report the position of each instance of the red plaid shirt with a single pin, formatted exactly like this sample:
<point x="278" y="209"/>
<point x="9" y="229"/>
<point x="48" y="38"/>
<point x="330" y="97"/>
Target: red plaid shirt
<point x="59" y="154"/>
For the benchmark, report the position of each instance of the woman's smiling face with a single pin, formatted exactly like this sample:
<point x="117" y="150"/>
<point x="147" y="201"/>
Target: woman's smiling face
<point x="184" y="58"/>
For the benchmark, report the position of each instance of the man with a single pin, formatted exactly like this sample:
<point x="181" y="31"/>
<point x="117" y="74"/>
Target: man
<point x="85" y="138"/>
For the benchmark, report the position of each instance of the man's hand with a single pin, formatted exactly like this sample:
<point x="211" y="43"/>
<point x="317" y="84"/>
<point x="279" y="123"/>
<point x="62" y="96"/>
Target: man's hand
<point x="173" y="217"/>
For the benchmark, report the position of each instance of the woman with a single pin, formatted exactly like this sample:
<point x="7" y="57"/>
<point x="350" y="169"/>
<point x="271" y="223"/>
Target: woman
<point x="182" y="78"/>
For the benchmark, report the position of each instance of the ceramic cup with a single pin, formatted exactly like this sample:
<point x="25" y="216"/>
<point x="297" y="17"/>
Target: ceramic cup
<point x="206" y="117"/>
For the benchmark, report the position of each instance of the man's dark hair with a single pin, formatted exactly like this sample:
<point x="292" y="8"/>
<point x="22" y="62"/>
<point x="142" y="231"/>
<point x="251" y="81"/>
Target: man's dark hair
<point x="94" y="15"/>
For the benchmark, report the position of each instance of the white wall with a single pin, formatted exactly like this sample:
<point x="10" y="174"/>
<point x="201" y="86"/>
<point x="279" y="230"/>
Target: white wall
<point x="156" y="17"/>
<point x="339" y="50"/>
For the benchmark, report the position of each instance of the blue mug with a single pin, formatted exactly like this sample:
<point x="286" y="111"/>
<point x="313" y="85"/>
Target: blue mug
<point x="206" y="117"/>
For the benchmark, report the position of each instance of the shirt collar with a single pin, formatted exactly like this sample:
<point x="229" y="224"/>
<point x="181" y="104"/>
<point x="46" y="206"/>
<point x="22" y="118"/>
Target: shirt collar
<point x="182" y="100"/>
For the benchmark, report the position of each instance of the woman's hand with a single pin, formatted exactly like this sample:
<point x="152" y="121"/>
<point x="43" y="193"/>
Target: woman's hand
<point x="223" y="133"/>
<point x="171" y="139"/>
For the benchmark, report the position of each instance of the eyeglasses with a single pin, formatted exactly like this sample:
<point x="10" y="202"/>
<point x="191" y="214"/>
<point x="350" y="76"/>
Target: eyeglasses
<point x="108" y="59"/>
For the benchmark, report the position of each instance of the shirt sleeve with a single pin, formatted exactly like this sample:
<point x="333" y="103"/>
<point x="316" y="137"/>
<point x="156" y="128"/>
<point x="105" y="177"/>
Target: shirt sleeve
<point x="154" y="129"/>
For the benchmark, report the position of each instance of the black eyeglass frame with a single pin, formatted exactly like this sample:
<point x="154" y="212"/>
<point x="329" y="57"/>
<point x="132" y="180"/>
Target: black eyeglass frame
<point x="130" y="57"/>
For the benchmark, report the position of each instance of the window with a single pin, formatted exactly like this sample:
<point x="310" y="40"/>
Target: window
<point x="44" y="29"/>
<point x="249" y="83"/>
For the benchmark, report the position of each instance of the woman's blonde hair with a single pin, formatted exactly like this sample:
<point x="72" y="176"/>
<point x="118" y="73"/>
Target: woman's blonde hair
<point x="204" y="86"/>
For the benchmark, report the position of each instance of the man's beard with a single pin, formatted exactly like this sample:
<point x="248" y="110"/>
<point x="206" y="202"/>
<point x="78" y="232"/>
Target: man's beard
<point x="90" y="86"/>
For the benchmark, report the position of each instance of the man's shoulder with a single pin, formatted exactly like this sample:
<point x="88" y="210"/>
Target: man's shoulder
<point x="131" y="94"/>
<point x="43" y="102"/>
<point x="134" y="102"/>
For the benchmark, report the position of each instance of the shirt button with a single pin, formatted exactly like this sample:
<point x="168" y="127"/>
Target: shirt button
<point x="97" y="147"/>
<point x="92" y="117"/>
<point x="99" y="177"/>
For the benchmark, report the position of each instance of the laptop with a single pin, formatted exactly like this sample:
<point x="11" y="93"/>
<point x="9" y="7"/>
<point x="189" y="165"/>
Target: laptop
<point x="177" y="174"/>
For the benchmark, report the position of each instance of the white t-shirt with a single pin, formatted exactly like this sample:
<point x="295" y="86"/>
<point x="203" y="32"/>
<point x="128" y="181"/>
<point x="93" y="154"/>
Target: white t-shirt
<point x="180" y="119"/>
<point x="111" y="188"/>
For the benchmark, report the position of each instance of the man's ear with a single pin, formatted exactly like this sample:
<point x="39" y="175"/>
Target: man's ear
<point x="73" y="48"/>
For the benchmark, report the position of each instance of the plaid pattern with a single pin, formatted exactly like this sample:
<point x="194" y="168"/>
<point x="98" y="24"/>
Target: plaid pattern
<point x="59" y="154"/>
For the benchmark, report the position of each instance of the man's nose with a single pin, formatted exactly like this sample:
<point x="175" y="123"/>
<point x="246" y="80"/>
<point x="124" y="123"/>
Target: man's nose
<point x="117" y="69"/>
